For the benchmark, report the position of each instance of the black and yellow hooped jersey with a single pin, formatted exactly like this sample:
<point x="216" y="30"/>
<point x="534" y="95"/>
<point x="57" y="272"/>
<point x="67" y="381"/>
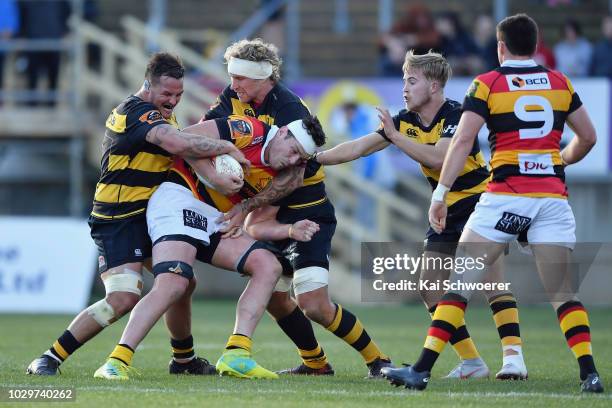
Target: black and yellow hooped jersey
<point x="280" y="107"/>
<point x="132" y="168"/>
<point x="474" y="176"/>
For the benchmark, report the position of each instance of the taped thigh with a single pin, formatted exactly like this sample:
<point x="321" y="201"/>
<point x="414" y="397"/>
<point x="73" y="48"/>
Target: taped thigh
<point x="124" y="281"/>
<point x="309" y="279"/>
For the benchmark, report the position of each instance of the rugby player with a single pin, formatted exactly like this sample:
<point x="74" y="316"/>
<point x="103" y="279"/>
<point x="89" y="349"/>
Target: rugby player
<point x="255" y="90"/>
<point x="525" y="107"/>
<point x="423" y="131"/>
<point x="181" y="217"/>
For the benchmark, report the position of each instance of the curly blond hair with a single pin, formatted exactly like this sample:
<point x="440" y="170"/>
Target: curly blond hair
<point x="258" y="51"/>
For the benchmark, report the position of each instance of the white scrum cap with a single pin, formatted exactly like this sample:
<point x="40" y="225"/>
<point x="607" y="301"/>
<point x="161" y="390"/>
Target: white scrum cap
<point x="249" y="69"/>
<point x="303" y="137"/>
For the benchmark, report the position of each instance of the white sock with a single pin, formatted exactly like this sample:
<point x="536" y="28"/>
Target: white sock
<point x="516" y="359"/>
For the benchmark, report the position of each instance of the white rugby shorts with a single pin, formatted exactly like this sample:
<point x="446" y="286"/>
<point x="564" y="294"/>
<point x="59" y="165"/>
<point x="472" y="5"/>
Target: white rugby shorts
<point x="173" y="210"/>
<point x="501" y="218"/>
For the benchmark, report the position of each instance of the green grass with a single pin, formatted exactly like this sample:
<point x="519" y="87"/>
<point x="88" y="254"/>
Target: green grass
<point x="398" y="330"/>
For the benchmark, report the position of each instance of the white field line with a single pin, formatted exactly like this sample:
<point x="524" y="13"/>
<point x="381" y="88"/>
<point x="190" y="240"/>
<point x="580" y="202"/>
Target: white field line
<point x="399" y="393"/>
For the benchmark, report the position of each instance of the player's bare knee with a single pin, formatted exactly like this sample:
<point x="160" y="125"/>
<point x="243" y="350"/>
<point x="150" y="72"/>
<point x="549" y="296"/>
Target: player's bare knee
<point x="262" y="264"/>
<point x="122" y="302"/>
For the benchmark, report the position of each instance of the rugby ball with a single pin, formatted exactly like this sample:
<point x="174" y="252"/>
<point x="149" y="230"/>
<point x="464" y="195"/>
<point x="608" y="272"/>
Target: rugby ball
<point x="226" y="164"/>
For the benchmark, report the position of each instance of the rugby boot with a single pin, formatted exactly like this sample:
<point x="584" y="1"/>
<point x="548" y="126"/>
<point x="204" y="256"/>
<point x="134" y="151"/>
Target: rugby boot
<point x="407" y="377"/>
<point x="115" y="370"/>
<point x="196" y="366"/>
<point x="44" y="365"/>
<point x="472" y="368"/>
<point x="303" y="369"/>
<point x="238" y="363"/>
<point x="375" y="366"/>
<point x="592" y="384"/>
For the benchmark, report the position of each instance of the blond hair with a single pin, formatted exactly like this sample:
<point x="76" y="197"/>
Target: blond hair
<point x="433" y="66"/>
<point x="258" y="51"/>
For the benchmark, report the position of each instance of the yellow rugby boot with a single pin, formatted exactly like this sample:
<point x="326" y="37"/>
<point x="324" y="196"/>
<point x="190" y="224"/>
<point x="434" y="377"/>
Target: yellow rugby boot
<point x="114" y="369"/>
<point x="238" y="363"/>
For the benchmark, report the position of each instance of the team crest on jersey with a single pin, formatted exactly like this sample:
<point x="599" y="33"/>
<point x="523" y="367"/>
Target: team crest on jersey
<point x="249" y="112"/>
<point x="240" y="128"/>
<point x="473" y="89"/>
<point x="151" y="117"/>
<point x="528" y="82"/>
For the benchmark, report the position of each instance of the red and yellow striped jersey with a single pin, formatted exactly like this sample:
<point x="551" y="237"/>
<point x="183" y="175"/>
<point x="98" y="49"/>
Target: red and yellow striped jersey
<point x="248" y="134"/>
<point x="525" y="107"/>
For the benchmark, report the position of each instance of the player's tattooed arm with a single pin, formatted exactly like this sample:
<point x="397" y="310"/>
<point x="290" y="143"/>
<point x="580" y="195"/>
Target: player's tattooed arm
<point x="191" y="145"/>
<point x="281" y="186"/>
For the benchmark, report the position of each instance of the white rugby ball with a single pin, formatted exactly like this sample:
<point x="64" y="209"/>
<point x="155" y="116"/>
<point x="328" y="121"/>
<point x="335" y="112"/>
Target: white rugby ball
<point x="226" y="164"/>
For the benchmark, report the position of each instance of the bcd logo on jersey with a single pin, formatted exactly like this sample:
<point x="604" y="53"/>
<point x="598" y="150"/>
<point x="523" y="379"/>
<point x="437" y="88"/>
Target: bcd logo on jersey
<point x="535" y="163"/>
<point x="528" y="82"/>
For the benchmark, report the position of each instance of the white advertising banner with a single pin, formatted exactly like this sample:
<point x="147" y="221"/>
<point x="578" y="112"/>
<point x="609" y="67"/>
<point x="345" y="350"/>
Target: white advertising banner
<point x="46" y="264"/>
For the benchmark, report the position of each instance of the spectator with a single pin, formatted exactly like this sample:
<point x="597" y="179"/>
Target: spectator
<point x="9" y="24"/>
<point x="457" y="45"/>
<point x="484" y="37"/>
<point x="416" y="31"/>
<point x="544" y="55"/>
<point x="44" y="20"/>
<point x="573" y="53"/>
<point x="601" y="63"/>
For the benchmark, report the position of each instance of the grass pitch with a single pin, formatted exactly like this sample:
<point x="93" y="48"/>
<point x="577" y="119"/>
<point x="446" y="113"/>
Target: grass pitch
<point x="400" y="331"/>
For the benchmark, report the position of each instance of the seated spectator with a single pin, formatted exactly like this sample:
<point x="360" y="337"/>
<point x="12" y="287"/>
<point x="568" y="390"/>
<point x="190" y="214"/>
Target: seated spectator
<point x="415" y="31"/>
<point x="544" y="55"/>
<point x="573" y="53"/>
<point x="601" y="63"/>
<point x="458" y="46"/>
<point x="484" y="37"/>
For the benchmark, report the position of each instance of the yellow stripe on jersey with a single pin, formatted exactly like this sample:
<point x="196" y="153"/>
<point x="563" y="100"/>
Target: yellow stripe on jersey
<point x="504" y="102"/>
<point x="315" y="178"/>
<point x="311" y="204"/>
<point x="505" y="157"/>
<point x="117" y="193"/>
<point x="454" y="196"/>
<point x="472" y="163"/>
<point x="116" y="122"/>
<point x="116" y="217"/>
<point x="244" y="109"/>
<point x="420" y="135"/>
<point x="143" y="161"/>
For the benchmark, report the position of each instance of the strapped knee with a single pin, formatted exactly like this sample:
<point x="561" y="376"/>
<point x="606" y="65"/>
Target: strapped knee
<point x="126" y="281"/>
<point x="309" y="279"/>
<point x="176" y="267"/>
<point x="102" y="312"/>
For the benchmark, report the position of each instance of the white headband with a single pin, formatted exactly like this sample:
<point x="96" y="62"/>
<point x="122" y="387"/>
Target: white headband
<point x="303" y="137"/>
<point x="249" y="69"/>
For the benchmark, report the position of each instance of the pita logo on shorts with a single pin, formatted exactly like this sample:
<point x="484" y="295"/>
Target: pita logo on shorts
<point x="101" y="262"/>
